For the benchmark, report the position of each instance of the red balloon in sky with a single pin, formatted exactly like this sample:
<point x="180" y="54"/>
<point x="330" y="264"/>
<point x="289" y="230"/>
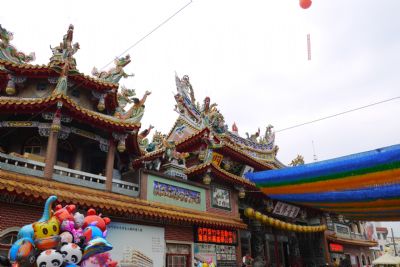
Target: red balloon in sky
<point x="305" y="3"/>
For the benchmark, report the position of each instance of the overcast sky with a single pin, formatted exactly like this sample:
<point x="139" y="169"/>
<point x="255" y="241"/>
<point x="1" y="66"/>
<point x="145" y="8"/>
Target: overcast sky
<point x="250" y="57"/>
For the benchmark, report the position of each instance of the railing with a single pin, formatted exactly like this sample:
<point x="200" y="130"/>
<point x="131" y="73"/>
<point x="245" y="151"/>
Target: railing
<point x="66" y="175"/>
<point x="21" y="165"/>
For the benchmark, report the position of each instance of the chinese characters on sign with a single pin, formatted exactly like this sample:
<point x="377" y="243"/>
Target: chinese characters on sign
<point x="335" y="247"/>
<point x="220" y="198"/>
<point x="217" y="158"/>
<point x="208" y="235"/>
<point x="176" y="193"/>
<point x="287" y="210"/>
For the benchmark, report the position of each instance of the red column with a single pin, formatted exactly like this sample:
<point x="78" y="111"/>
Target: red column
<point x="51" y="152"/>
<point x="110" y="164"/>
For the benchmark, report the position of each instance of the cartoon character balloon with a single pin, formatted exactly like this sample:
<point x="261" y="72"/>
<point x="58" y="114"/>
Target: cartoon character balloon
<point x="60" y="238"/>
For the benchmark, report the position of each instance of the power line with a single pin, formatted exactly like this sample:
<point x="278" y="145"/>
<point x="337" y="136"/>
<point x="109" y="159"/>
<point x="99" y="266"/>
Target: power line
<point x="152" y="31"/>
<point x="338" y="114"/>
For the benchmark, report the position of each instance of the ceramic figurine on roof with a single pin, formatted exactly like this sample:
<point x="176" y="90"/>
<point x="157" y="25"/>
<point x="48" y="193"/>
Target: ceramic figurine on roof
<point x="124" y="97"/>
<point x="115" y="74"/>
<point x="185" y="88"/>
<point x="254" y="136"/>
<point x="212" y="118"/>
<point x="299" y="160"/>
<point x="62" y="58"/>
<point x="135" y="113"/>
<point x="156" y="142"/>
<point x="185" y="100"/>
<point x="143" y="141"/>
<point x="269" y="136"/>
<point x="9" y="52"/>
<point x="171" y="155"/>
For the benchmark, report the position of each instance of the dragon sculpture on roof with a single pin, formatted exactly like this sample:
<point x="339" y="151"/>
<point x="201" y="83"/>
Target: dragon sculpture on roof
<point x="9" y="52"/>
<point x="114" y="74"/>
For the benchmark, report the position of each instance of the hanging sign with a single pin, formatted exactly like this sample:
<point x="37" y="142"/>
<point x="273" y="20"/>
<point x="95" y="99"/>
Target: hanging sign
<point x="336" y="248"/>
<point x="217" y="236"/>
<point x="217" y="158"/>
<point x="286" y="210"/>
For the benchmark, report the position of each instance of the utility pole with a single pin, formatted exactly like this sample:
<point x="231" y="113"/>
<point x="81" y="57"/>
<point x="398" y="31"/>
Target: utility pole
<point x="394" y="243"/>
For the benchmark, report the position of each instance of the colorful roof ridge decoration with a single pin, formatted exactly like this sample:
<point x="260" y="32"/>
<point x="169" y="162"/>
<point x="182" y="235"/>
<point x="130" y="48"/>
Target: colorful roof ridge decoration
<point x="249" y="159"/>
<point x="29" y="104"/>
<point x="113" y="203"/>
<point x="9" y="52"/>
<point x="198" y="116"/>
<point x="46" y="69"/>
<point x="158" y="152"/>
<point x="209" y="166"/>
<point x="364" y="186"/>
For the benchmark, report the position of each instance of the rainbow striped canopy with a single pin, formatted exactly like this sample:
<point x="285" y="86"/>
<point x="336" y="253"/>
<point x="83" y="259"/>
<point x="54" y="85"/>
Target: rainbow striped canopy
<point x="363" y="186"/>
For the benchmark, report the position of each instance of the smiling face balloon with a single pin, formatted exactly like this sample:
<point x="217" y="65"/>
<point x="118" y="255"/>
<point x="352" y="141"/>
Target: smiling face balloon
<point x="47" y="228"/>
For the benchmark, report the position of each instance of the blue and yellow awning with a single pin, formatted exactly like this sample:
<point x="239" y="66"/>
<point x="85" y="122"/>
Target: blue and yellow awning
<point x="363" y="186"/>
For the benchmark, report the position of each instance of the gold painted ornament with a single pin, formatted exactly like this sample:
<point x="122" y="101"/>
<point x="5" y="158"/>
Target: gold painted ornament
<point x="264" y="219"/>
<point x="10" y="91"/>
<point x="249" y="212"/>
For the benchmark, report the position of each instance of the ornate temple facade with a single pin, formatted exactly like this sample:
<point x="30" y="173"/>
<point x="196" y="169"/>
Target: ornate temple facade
<point x="174" y="200"/>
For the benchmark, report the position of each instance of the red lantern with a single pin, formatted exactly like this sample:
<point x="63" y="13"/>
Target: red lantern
<point x="305" y="4"/>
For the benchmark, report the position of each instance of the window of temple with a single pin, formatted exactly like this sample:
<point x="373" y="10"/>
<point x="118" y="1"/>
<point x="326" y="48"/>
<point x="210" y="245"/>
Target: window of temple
<point x="33" y="146"/>
<point x="8" y="238"/>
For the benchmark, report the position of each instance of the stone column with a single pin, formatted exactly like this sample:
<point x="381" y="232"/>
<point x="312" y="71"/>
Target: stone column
<point x="51" y="152"/>
<point x="110" y="164"/>
<point x="257" y="243"/>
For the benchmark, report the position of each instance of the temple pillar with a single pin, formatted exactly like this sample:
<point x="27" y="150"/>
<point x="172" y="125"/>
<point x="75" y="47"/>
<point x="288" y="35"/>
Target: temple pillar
<point x="51" y="152"/>
<point x="257" y="243"/>
<point x="110" y="164"/>
<point x="325" y="242"/>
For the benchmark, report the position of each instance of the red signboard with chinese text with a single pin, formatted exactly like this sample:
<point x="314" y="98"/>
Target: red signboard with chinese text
<point x="217" y="236"/>
<point x="337" y="248"/>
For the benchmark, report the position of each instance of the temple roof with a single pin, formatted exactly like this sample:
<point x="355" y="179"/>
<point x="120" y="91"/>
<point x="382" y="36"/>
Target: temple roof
<point x="30" y="69"/>
<point x="37" y="188"/>
<point x="220" y="173"/>
<point x="38" y="104"/>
